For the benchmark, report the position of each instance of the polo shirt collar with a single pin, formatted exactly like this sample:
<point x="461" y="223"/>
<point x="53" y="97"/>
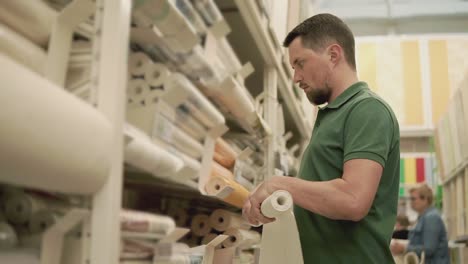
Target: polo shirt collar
<point x="346" y="95"/>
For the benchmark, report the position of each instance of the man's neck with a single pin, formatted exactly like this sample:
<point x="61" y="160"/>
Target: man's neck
<point x="343" y="83"/>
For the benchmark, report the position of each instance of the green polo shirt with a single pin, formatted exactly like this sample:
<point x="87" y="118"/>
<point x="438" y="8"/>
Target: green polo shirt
<point x="358" y="124"/>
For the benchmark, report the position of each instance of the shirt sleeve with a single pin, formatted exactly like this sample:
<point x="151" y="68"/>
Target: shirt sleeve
<point x="368" y="132"/>
<point x="433" y="227"/>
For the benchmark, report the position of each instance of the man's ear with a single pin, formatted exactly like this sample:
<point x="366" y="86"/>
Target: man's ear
<point x="335" y="53"/>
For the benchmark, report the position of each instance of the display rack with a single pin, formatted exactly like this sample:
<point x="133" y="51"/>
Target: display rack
<point x="110" y="27"/>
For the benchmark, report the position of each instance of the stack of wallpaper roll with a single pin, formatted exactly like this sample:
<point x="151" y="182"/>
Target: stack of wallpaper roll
<point x="175" y="253"/>
<point x="27" y="216"/>
<point x="204" y="228"/>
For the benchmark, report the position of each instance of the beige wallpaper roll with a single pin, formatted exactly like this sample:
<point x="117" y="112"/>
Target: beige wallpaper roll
<point x="76" y="137"/>
<point x="20" y="207"/>
<point x="200" y="225"/>
<point x="21" y="49"/>
<point x="32" y="19"/>
<point x="241" y="238"/>
<point x="221" y="220"/>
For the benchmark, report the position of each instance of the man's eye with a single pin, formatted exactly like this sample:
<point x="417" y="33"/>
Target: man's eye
<point x="301" y="64"/>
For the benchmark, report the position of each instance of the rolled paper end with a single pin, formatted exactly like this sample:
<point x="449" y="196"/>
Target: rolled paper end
<point x="277" y="204"/>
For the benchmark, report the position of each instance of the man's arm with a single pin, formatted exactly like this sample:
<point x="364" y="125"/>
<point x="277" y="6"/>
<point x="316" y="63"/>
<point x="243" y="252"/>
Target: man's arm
<point x="346" y="198"/>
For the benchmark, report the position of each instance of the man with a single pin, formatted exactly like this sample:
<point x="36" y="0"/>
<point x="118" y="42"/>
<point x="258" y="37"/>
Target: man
<point x="429" y="234"/>
<point x="347" y="191"/>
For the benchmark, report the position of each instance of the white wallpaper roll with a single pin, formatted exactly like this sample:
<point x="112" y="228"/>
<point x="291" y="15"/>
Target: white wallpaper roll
<point x="33" y="19"/>
<point x="8" y="237"/>
<point x="170" y="133"/>
<point x="21" y="49"/>
<point x="230" y="59"/>
<point x="241" y="238"/>
<point x="411" y="258"/>
<point x="137" y="92"/>
<point x="137" y="63"/>
<point x="244" y="182"/>
<point x="200" y="225"/>
<point x="135" y="221"/>
<point x="273" y="249"/>
<point x="170" y="249"/>
<point x="20" y="207"/>
<point x="221" y="220"/>
<point x="197" y="103"/>
<point x="143" y="154"/>
<point x="43" y="219"/>
<point x="178" y="259"/>
<point x="179" y="33"/>
<point x="155" y="74"/>
<point x="131" y="249"/>
<point x="192" y="15"/>
<point x="74" y="135"/>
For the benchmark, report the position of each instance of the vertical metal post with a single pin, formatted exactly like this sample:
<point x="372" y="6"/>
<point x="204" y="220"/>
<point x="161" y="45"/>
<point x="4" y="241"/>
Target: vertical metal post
<point x="110" y="77"/>
<point x="270" y="83"/>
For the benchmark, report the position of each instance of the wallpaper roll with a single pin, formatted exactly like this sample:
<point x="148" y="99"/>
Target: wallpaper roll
<point x="137" y="92"/>
<point x="143" y="154"/>
<point x="176" y="137"/>
<point x="155" y="74"/>
<point x="221" y="220"/>
<point x="43" y="219"/>
<point x="208" y="11"/>
<point x="200" y="225"/>
<point x="137" y="63"/>
<point x="20" y="207"/>
<point x="273" y="250"/>
<point x="180" y="34"/>
<point x="192" y="15"/>
<point x="229" y="56"/>
<point x="135" y="221"/>
<point x="411" y="258"/>
<point x="241" y="238"/>
<point x="78" y="150"/>
<point x="235" y="98"/>
<point x="219" y="171"/>
<point x="224" y="154"/>
<point x="245" y="170"/>
<point x="21" y="49"/>
<point x="179" y="215"/>
<point x="131" y="249"/>
<point x="32" y="19"/>
<point x="238" y="196"/>
<point x="208" y="238"/>
<point x="8" y="237"/>
<point x="77" y="77"/>
<point x="178" y="259"/>
<point x="170" y="249"/>
<point x="197" y="104"/>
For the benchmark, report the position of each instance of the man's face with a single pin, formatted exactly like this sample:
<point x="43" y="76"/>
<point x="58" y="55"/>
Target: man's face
<point x="312" y="71"/>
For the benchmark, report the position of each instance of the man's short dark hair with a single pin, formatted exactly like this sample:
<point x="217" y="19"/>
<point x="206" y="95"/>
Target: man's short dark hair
<point x="323" y="29"/>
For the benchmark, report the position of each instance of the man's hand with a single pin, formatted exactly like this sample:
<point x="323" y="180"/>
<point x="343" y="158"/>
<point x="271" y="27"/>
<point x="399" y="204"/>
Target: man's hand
<point x="251" y="210"/>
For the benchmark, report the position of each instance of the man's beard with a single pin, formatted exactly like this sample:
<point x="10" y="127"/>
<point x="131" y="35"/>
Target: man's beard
<point x="319" y="96"/>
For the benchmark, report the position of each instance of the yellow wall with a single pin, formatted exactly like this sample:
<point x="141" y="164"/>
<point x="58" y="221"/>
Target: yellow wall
<point x="413" y="99"/>
<point x="440" y="86"/>
<point x="367" y="64"/>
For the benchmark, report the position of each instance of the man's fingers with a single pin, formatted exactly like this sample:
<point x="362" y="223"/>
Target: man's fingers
<point x="246" y="214"/>
<point x="257" y="215"/>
